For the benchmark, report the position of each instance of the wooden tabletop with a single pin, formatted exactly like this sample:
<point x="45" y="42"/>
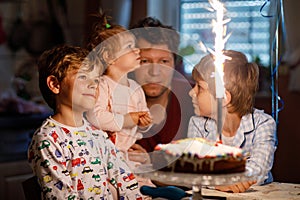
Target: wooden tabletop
<point x="274" y="191"/>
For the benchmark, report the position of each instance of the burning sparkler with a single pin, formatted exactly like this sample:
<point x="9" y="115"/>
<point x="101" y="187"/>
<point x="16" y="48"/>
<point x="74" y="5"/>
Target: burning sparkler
<point x="219" y="28"/>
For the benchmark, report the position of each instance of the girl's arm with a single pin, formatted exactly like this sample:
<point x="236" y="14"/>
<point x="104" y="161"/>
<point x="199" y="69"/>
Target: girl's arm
<point x="102" y="116"/>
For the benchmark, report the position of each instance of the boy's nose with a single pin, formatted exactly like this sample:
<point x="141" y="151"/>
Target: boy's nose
<point x="192" y="93"/>
<point x="93" y="83"/>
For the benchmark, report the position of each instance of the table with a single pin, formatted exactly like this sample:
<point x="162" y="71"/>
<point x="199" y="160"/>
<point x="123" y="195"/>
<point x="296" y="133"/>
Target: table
<point x="274" y="191"/>
<point x="195" y="181"/>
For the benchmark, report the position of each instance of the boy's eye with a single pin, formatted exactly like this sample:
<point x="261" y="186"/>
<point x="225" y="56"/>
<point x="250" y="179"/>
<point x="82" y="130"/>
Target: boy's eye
<point x="97" y="81"/>
<point x="83" y="77"/>
<point x="199" y="88"/>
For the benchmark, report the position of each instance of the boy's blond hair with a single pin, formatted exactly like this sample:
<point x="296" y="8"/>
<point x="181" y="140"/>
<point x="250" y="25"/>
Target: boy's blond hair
<point x="240" y="79"/>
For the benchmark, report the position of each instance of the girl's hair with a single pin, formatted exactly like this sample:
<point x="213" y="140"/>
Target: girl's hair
<point x="106" y="38"/>
<point x="240" y="79"/>
<point x="58" y="61"/>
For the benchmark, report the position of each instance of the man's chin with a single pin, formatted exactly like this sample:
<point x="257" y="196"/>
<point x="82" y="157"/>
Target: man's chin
<point x="153" y="94"/>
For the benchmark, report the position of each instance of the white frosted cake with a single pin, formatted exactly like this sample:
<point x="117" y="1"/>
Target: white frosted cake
<point x="197" y="155"/>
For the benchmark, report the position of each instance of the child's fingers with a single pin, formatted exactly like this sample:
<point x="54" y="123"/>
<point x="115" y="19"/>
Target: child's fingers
<point x="148" y="119"/>
<point x="145" y="121"/>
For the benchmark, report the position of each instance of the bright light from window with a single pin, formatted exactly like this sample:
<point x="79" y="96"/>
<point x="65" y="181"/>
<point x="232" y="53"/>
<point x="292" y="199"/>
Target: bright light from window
<point x="250" y="30"/>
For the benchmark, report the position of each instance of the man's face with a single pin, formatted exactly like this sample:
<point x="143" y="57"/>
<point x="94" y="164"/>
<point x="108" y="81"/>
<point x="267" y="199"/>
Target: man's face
<point x="157" y="67"/>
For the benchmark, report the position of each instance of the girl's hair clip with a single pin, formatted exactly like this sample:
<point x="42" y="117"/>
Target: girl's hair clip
<point x="107" y="25"/>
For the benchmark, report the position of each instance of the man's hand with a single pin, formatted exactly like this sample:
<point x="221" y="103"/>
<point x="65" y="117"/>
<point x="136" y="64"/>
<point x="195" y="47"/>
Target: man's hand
<point x="237" y="187"/>
<point x="137" y="153"/>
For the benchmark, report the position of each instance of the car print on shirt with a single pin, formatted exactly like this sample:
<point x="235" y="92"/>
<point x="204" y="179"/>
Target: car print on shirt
<point x="87" y="169"/>
<point x="133" y="186"/>
<point x="110" y="165"/>
<point x="78" y="161"/>
<point x="97" y="177"/>
<point x="65" y="172"/>
<point x="95" y="161"/>
<point x="129" y="177"/>
<point x="45" y="144"/>
<point x="71" y="197"/>
<point x="80" y="142"/>
<point x="47" y="178"/>
<point x="95" y="189"/>
<point x="45" y="163"/>
<point x="81" y="133"/>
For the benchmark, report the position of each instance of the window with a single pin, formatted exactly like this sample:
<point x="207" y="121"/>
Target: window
<point x="250" y="31"/>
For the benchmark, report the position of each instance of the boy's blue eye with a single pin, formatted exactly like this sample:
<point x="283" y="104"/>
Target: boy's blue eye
<point x="97" y="81"/>
<point x="83" y="77"/>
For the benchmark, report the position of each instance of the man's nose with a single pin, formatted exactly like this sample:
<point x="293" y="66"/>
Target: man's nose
<point x="154" y="69"/>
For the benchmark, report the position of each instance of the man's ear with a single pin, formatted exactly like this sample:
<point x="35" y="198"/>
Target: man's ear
<point x="227" y="99"/>
<point x="53" y="84"/>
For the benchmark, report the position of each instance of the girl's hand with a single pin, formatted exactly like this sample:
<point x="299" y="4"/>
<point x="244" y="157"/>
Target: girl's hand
<point x="145" y="119"/>
<point x="131" y="119"/>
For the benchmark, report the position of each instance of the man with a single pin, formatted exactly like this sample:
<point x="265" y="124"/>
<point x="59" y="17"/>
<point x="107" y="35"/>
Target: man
<point x="165" y="88"/>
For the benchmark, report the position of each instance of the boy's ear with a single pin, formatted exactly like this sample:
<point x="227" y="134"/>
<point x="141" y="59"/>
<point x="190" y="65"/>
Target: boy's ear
<point x="227" y="98"/>
<point x="107" y="58"/>
<point x="53" y="84"/>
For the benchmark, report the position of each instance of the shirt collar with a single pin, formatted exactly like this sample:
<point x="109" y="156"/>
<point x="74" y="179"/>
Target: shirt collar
<point x="246" y="127"/>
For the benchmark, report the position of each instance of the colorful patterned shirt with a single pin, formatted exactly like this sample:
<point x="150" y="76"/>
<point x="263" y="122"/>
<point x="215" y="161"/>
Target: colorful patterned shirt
<point x="256" y="136"/>
<point x="79" y="163"/>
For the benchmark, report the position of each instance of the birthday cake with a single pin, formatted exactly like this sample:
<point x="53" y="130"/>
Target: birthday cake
<point x="197" y="155"/>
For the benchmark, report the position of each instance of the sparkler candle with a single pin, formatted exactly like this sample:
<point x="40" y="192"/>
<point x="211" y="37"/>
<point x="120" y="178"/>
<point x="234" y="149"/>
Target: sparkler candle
<point x="219" y="29"/>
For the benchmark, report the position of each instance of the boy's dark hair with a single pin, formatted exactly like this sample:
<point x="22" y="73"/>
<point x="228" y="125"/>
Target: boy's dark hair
<point x="57" y="62"/>
<point x="154" y="32"/>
